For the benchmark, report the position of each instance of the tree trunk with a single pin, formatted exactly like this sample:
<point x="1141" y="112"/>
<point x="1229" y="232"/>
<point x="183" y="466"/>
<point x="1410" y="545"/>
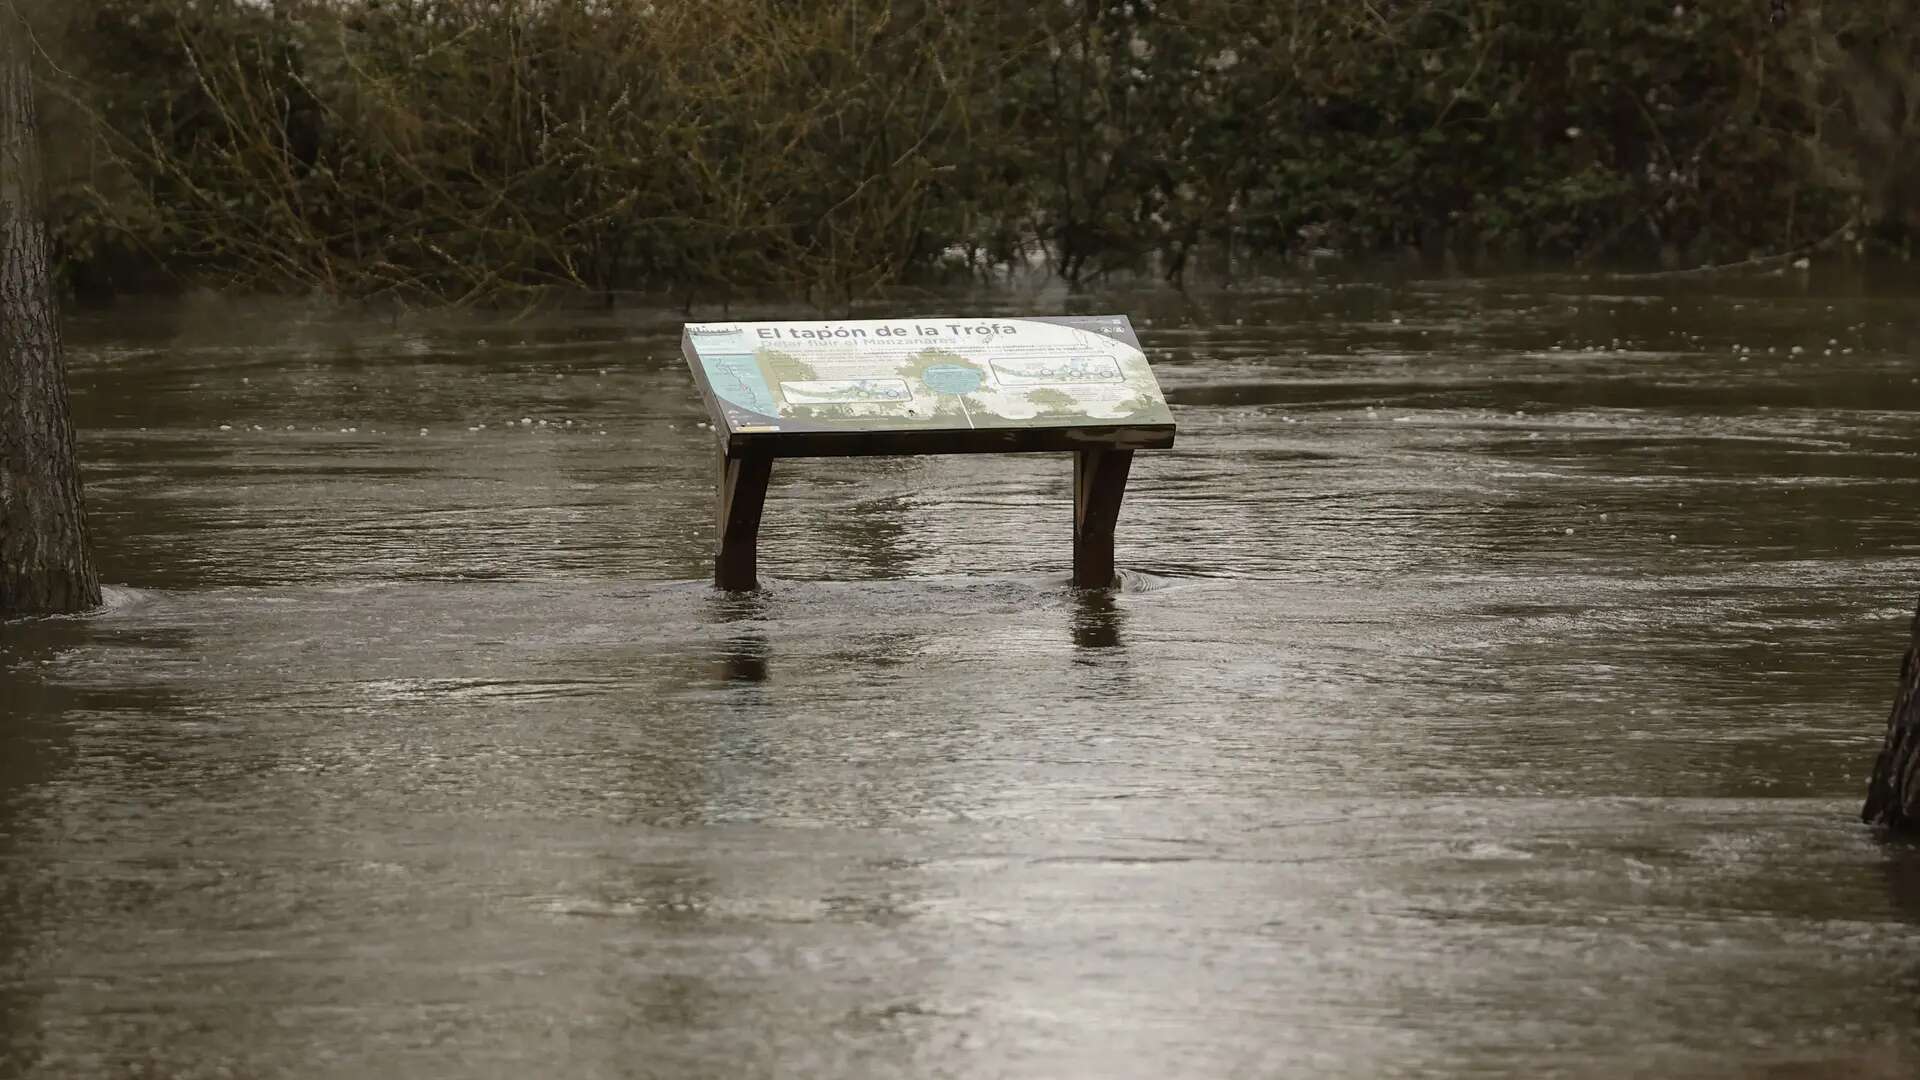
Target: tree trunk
<point x="1893" y="797"/>
<point x="46" y="563"/>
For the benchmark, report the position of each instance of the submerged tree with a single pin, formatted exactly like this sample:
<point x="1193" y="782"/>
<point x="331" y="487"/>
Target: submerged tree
<point x="1858" y="69"/>
<point x="46" y="564"/>
<point x="1893" y="797"/>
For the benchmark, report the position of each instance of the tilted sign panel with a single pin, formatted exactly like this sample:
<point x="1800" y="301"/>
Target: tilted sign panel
<point x="926" y="374"/>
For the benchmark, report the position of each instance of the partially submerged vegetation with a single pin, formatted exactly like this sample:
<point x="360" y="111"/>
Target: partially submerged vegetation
<point x="483" y="150"/>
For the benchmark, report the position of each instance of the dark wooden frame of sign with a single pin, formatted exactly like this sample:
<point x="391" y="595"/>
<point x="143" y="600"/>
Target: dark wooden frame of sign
<point x="1103" y="454"/>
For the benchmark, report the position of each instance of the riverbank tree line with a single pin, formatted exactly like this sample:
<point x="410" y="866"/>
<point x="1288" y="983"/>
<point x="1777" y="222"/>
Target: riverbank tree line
<point x="490" y="150"/>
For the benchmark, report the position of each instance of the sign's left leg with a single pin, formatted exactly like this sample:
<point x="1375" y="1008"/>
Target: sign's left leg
<point x="743" y="494"/>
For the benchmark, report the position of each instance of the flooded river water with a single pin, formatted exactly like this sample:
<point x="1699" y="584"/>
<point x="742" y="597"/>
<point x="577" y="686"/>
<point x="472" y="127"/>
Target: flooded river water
<point x="1492" y="691"/>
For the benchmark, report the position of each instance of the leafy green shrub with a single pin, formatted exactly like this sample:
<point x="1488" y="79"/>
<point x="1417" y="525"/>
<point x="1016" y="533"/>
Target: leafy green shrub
<point x="487" y="150"/>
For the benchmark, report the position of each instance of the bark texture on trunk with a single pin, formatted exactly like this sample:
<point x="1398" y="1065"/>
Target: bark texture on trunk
<point x="1893" y="796"/>
<point x="46" y="562"/>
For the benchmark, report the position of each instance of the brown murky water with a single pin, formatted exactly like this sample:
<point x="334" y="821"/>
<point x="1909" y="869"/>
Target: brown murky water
<point x="1491" y="694"/>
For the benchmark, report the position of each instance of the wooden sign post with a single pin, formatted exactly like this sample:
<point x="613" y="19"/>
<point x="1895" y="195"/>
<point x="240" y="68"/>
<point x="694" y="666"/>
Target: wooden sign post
<point x="927" y="385"/>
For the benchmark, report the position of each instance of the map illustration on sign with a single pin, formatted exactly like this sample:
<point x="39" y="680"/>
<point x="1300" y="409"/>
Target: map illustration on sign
<point x="845" y="391"/>
<point x="926" y="373"/>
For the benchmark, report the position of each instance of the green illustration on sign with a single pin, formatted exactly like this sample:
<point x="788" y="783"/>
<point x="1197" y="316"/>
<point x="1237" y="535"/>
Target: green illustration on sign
<point x="952" y="378"/>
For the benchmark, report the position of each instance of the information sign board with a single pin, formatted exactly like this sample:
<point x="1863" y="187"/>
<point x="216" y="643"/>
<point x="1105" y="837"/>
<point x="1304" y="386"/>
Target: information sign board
<point x="928" y="385"/>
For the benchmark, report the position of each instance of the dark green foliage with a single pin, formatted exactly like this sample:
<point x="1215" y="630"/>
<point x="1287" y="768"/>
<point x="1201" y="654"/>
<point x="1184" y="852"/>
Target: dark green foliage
<point x="476" y="149"/>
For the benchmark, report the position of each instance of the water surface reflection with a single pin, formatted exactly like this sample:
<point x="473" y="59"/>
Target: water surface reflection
<point x="1495" y="673"/>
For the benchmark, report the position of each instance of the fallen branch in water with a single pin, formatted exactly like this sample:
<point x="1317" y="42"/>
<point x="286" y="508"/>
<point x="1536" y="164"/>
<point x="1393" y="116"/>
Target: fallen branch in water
<point x="1758" y="262"/>
<point x="1893" y="796"/>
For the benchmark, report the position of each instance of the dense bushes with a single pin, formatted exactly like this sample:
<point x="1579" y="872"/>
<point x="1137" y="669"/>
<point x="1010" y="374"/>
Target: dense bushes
<point x="475" y="149"/>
